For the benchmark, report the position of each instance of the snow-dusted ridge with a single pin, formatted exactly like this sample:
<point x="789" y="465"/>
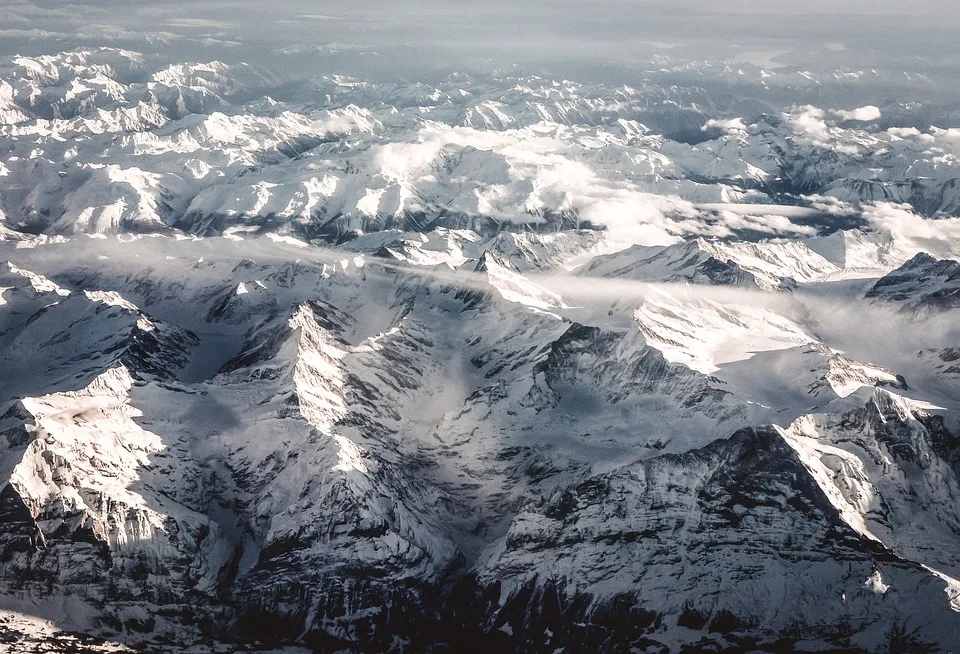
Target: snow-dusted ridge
<point x="108" y="140"/>
<point x="421" y="407"/>
<point x="923" y="285"/>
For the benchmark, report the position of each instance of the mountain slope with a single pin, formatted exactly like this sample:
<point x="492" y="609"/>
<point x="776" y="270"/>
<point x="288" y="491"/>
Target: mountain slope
<point x="355" y="450"/>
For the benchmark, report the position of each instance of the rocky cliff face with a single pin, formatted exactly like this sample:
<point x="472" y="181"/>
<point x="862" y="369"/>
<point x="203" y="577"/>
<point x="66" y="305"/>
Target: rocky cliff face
<point x="923" y="285"/>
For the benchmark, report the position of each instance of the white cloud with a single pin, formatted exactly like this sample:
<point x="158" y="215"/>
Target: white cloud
<point x="862" y="114"/>
<point x="808" y="120"/>
<point x="905" y="132"/>
<point x="728" y="126"/>
<point x="772" y="224"/>
<point x="912" y="233"/>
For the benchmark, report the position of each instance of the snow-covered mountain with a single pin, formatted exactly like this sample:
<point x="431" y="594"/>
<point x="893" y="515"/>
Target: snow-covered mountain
<point x="106" y="140"/>
<point x="922" y="285"/>
<point x="313" y="435"/>
<point x="767" y="266"/>
<point x="494" y="361"/>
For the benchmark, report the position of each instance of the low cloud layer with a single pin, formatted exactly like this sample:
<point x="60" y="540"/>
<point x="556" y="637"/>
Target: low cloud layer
<point x="862" y="114"/>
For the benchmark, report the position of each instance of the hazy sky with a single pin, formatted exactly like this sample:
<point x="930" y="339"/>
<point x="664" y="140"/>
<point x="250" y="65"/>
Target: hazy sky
<point x="405" y="35"/>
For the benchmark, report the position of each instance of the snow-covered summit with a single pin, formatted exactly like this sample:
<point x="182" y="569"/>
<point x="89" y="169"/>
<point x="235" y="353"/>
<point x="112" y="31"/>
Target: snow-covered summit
<point x="923" y="285"/>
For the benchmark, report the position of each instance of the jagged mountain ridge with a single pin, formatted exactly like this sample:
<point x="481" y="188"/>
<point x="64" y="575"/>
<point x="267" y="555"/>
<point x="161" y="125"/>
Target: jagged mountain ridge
<point x="922" y="285"/>
<point x="205" y="147"/>
<point x="441" y="425"/>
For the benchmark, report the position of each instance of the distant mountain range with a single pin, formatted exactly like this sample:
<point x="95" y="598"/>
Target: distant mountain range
<point x="487" y="363"/>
